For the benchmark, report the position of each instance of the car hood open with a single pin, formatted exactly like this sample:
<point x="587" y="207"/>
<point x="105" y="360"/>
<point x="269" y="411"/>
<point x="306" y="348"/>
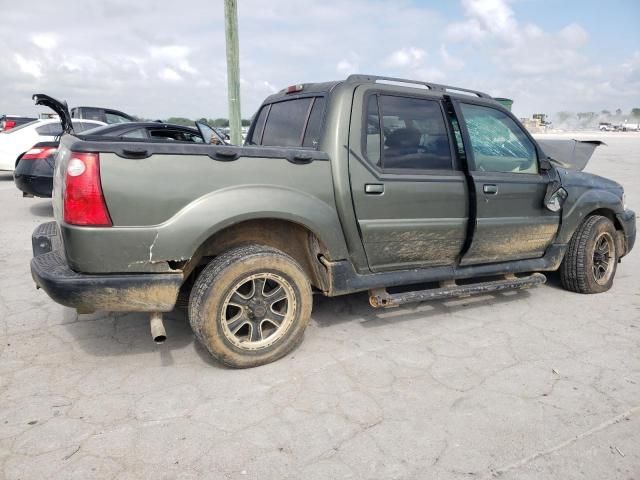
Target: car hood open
<point x="569" y="153"/>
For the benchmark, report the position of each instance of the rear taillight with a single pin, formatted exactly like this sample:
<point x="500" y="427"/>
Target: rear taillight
<point x="39" y="153"/>
<point x="9" y="124"/>
<point x="83" y="199"/>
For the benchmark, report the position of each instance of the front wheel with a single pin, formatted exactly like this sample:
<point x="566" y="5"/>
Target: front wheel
<point x="589" y="265"/>
<point x="250" y="306"/>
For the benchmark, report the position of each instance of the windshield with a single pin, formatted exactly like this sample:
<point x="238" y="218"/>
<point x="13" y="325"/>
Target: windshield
<point x="20" y="127"/>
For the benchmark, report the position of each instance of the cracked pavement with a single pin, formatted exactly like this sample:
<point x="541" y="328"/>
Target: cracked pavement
<point x="533" y="384"/>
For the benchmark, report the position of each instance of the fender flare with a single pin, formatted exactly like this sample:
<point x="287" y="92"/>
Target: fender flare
<point x="582" y="207"/>
<point x="223" y="208"/>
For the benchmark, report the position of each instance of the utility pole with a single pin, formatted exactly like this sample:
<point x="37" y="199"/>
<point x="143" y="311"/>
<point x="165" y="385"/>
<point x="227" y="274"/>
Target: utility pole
<point x="233" y="69"/>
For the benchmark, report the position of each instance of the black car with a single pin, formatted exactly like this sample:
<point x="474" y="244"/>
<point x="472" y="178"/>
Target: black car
<point x="34" y="173"/>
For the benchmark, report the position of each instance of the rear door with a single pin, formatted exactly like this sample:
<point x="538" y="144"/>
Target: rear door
<point x="409" y="196"/>
<point x="511" y="220"/>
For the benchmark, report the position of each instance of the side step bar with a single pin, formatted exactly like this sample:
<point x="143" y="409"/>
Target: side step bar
<point x="380" y="298"/>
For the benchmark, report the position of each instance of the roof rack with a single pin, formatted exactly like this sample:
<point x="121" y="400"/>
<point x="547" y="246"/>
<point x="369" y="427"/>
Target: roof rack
<point x="357" y="78"/>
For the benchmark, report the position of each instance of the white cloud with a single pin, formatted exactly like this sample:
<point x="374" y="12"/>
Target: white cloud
<point x="494" y="16"/>
<point x="45" y="41"/>
<point x="30" y="67"/>
<point x="141" y="59"/>
<point x="406" y="57"/>
<point x="172" y="52"/>
<point x="450" y="61"/>
<point x="169" y="75"/>
<point x="186" y="67"/>
<point x="467" y="31"/>
<point x="519" y="48"/>
<point x="574" y="35"/>
<point x="345" y="67"/>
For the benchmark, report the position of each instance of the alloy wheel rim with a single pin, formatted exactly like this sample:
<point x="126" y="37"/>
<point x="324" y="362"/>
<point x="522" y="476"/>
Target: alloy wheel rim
<point x="258" y="311"/>
<point x="603" y="258"/>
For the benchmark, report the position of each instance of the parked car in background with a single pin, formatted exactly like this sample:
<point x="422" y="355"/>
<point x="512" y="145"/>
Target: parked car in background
<point x="148" y="131"/>
<point x="34" y="171"/>
<point x="15" y="142"/>
<point x="105" y="115"/>
<point x="7" y="122"/>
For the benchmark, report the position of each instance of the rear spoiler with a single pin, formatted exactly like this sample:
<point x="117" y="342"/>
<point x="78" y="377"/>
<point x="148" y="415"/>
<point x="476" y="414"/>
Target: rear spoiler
<point x="60" y="107"/>
<point x="569" y="153"/>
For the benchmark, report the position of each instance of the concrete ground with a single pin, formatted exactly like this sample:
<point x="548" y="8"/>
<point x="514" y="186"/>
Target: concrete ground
<point x="537" y="384"/>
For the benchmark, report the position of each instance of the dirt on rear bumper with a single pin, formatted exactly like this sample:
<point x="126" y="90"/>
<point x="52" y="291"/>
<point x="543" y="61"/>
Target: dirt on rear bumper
<point x="88" y="293"/>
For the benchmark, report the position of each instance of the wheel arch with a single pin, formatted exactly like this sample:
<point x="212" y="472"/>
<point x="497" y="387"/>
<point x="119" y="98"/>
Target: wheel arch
<point x="293" y="238"/>
<point x="590" y="203"/>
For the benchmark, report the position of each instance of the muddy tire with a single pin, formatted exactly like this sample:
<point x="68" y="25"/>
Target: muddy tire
<point x="589" y="265"/>
<point x="250" y="306"/>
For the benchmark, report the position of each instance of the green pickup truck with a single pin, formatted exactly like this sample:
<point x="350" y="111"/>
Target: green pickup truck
<point x="365" y="184"/>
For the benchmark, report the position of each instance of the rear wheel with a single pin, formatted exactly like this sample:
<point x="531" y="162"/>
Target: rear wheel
<point x="590" y="263"/>
<point x="250" y="306"/>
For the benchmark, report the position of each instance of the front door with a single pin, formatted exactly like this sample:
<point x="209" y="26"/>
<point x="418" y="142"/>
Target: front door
<point x="409" y="197"/>
<point x="512" y="221"/>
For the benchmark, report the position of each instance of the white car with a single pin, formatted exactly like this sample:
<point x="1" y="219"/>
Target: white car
<point x="18" y="140"/>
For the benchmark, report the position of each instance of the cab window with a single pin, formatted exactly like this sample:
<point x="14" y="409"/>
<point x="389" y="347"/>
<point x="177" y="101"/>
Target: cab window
<point x="497" y="142"/>
<point x="285" y="123"/>
<point x="289" y="123"/>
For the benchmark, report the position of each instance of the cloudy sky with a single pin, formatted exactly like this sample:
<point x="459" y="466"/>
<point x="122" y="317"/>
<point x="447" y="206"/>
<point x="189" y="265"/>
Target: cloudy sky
<point x="158" y="58"/>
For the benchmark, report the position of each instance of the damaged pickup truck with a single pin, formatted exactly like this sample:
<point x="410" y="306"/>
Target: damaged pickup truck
<point x="365" y="184"/>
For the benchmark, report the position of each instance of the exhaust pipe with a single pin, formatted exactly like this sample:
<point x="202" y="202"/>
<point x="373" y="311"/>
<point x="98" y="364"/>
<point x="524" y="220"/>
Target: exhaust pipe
<point x="158" y="332"/>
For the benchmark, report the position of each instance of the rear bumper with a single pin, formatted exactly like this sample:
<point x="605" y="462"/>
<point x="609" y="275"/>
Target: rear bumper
<point x="136" y="292"/>
<point x="36" y="186"/>
<point x="628" y="221"/>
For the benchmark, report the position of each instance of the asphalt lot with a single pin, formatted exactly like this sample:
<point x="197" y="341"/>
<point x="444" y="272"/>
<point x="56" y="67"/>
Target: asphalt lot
<point x="537" y="384"/>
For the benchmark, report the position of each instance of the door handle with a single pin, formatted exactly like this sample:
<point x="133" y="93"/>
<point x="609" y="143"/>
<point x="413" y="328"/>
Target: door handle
<point x="374" y="188"/>
<point x="490" y="189"/>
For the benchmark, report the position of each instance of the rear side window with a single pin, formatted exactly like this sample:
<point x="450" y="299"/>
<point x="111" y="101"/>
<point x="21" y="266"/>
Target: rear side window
<point x="80" y="127"/>
<point x="406" y="133"/>
<point x="291" y="123"/>
<point x="90" y="114"/>
<point x="285" y="123"/>
<point x="113" y="117"/>
<point x="314" y="125"/>
<point x="50" y="129"/>
<point x="256" y="135"/>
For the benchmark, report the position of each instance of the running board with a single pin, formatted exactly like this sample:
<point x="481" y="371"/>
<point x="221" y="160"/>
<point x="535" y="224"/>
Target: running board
<point x="380" y="298"/>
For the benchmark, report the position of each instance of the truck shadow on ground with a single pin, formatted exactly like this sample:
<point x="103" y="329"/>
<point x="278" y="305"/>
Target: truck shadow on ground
<point x="331" y="311"/>
<point x="104" y="334"/>
<point x="127" y="334"/>
<point x="42" y="209"/>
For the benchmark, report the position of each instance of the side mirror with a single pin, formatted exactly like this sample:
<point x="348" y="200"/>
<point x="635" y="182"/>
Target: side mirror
<point x="545" y="164"/>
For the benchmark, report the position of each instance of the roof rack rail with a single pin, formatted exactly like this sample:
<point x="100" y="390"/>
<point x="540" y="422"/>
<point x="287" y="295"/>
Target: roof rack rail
<point x="358" y="78"/>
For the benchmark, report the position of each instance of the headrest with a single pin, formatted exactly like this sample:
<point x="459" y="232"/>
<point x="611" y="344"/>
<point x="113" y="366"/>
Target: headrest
<point x="403" y="138"/>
